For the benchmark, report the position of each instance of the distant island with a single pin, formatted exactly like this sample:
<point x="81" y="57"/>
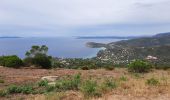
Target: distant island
<point x="9" y="37"/>
<point x="106" y="37"/>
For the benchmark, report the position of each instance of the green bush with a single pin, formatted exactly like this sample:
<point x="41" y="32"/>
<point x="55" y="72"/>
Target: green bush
<point x="28" y="61"/>
<point x="110" y="84"/>
<point x="11" y="61"/>
<point x="27" y="89"/>
<point x="84" y="68"/>
<point x="42" y="60"/>
<point x="152" y="81"/>
<point x="56" y="64"/>
<point x="123" y="78"/>
<point x="2" y="81"/>
<point x="137" y="75"/>
<point x="43" y="83"/>
<point x="107" y="85"/>
<point x="50" y="88"/>
<point x="162" y="66"/>
<point x="139" y="66"/>
<point x="20" y="89"/>
<point x="3" y="93"/>
<point x="2" y="60"/>
<point x="89" y="88"/>
<point x="38" y="56"/>
<point x="69" y="84"/>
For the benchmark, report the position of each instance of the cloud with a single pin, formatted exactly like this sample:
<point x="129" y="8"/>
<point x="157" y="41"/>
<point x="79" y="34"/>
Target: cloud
<point x="68" y="16"/>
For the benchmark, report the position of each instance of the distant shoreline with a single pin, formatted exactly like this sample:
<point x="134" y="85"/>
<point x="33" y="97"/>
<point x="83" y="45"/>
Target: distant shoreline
<point x="5" y="37"/>
<point x="105" y="37"/>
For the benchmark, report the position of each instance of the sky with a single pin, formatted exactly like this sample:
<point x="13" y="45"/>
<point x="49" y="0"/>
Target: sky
<point x="49" y="18"/>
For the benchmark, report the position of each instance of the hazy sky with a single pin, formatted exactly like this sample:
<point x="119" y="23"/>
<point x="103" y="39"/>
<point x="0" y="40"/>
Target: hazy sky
<point x="83" y="17"/>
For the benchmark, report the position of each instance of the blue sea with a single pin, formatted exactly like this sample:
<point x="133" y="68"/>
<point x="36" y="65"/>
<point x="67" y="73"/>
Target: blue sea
<point x="63" y="47"/>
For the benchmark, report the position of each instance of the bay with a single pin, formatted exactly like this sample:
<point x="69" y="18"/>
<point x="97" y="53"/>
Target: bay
<point x="63" y="47"/>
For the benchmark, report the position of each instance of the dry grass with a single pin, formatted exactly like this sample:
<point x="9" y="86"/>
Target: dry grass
<point x="134" y="88"/>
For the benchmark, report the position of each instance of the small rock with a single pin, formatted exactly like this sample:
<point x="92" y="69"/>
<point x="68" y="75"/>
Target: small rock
<point x="50" y="78"/>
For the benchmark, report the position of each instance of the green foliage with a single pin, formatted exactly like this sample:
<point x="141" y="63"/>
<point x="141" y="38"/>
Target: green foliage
<point x="110" y="84"/>
<point x="85" y="68"/>
<point x="89" y="88"/>
<point x="139" y="66"/>
<point x="107" y="85"/>
<point x="152" y="82"/>
<point x="56" y="64"/>
<point x="20" y="89"/>
<point x="163" y="66"/>
<point x="2" y="60"/>
<point x="3" y="93"/>
<point x="11" y="61"/>
<point x="2" y="81"/>
<point x="123" y="78"/>
<point x="42" y="60"/>
<point x="37" y="50"/>
<point x="137" y="75"/>
<point x="84" y="64"/>
<point x="28" y="61"/>
<point x="43" y="83"/>
<point x="50" y="88"/>
<point x="69" y="84"/>
<point x="38" y="56"/>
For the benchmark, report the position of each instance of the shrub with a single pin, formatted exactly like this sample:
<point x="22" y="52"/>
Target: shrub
<point x="2" y="81"/>
<point x="38" y="56"/>
<point x="28" y="61"/>
<point x="137" y="75"/>
<point x="42" y="60"/>
<point x="163" y="66"/>
<point x="43" y="83"/>
<point x="110" y="84"/>
<point x="27" y="89"/>
<point x="85" y="68"/>
<point x="89" y="88"/>
<point x="123" y="78"/>
<point x="139" y="66"/>
<point x="20" y="89"/>
<point x="3" y="93"/>
<point x="14" y="89"/>
<point x="107" y="85"/>
<point x="11" y="61"/>
<point x="56" y="64"/>
<point x="69" y="84"/>
<point x="50" y="88"/>
<point x="152" y="81"/>
<point x="2" y="61"/>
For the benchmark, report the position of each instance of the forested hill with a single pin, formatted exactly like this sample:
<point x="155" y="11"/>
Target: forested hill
<point x="156" y="40"/>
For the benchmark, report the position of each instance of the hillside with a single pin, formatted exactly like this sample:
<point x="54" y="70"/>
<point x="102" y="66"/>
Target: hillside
<point x="140" y="48"/>
<point x="156" y="40"/>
